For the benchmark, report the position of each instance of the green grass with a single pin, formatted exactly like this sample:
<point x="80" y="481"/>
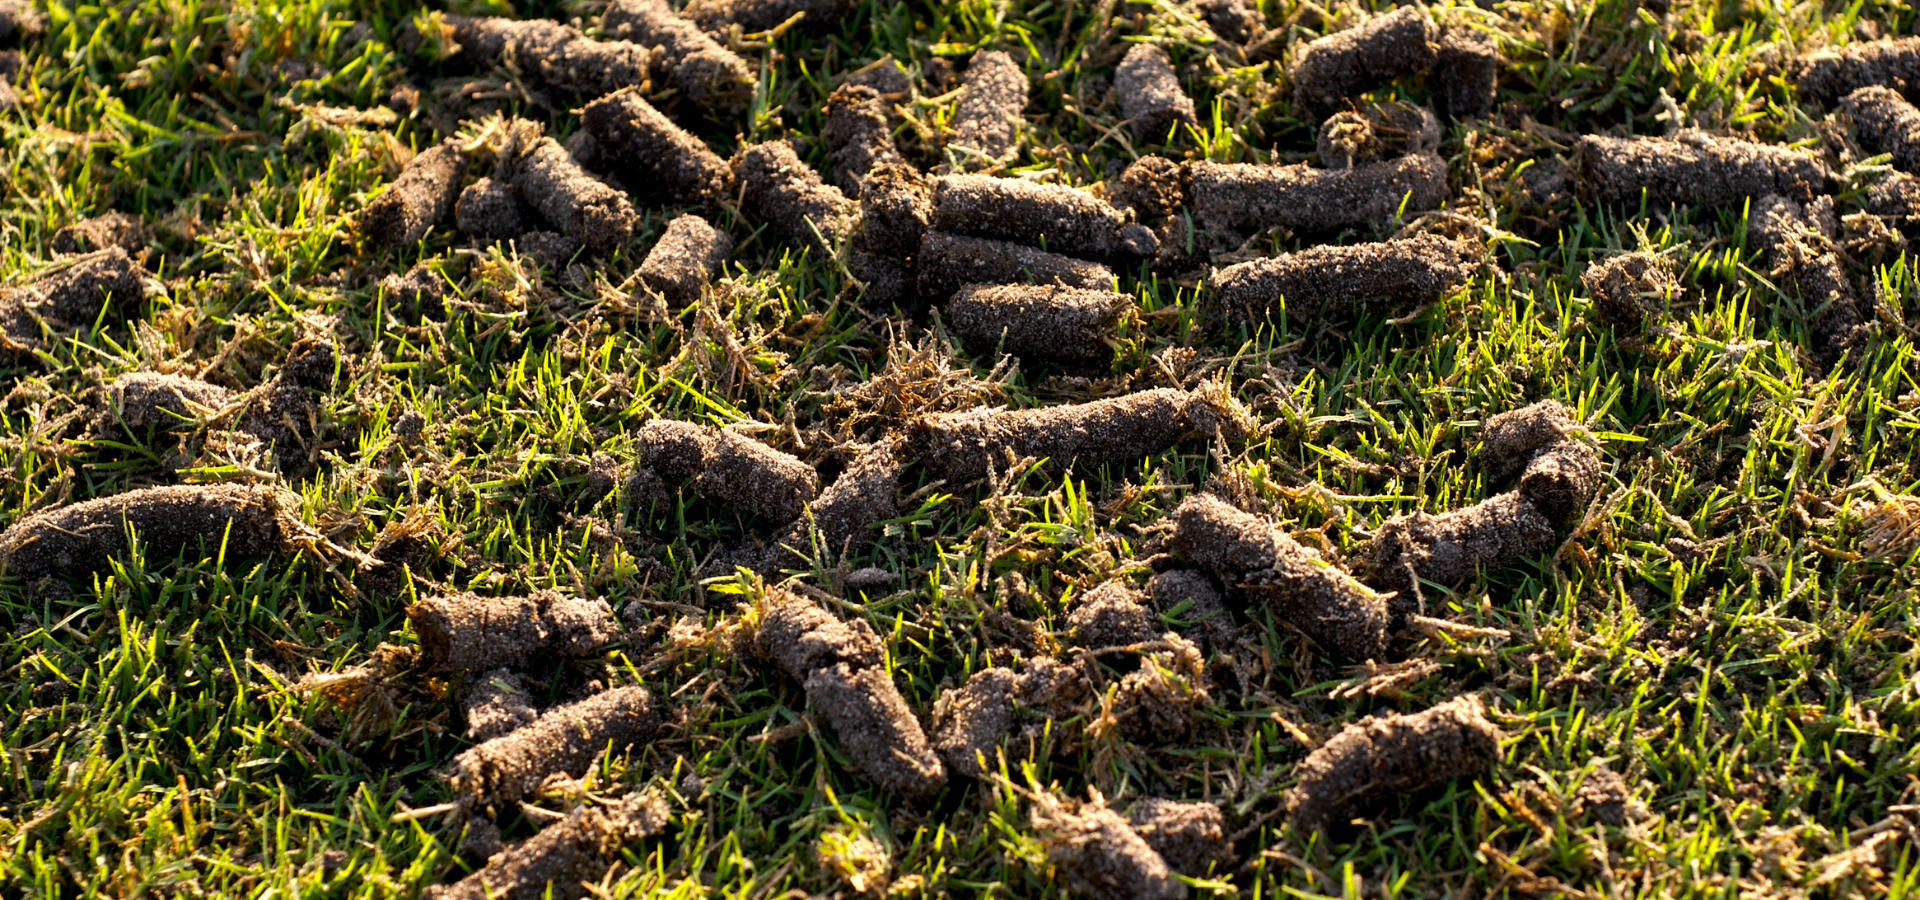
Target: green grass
<point x="1715" y="632"/>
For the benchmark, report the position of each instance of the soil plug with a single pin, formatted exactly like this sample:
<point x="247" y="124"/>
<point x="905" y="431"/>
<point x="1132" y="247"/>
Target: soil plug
<point x="1827" y="75"/>
<point x="845" y="515"/>
<point x="1318" y="282"/>
<point x="420" y="292"/>
<point x="583" y="206"/>
<point x="283" y="413"/>
<point x="647" y="151"/>
<point x="420" y="198"/>
<point x="1098" y="854"/>
<point x="1884" y="122"/>
<point x="1349" y="63"/>
<point x="1150" y="94"/>
<point x="115" y="229"/>
<point x="143" y="400"/>
<point x="858" y="136"/>
<point x="985" y="130"/>
<point x="801" y="638"/>
<point x="1111" y="615"/>
<point x="896" y="203"/>
<point x="1252" y="556"/>
<point x="1234" y="21"/>
<point x="1375" y="132"/>
<point x="754" y="16"/>
<point x="970" y="722"/>
<point x="961" y="446"/>
<point x="1463" y="74"/>
<point x="20" y="23"/>
<point x="470" y="633"/>
<point x="1039" y="319"/>
<point x="495" y="704"/>
<point x="1692" y="169"/>
<point x="777" y="188"/>
<point x="1628" y="287"/>
<point x="1188" y="595"/>
<point x="948" y="262"/>
<point x="1386" y="755"/>
<point x="1189" y="836"/>
<point x="1243" y="196"/>
<point x="1059" y="218"/>
<point x="553" y="54"/>
<point x="709" y="74"/>
<point x="1798" y="243"/>
<point x="565" y="857"/>
<point x="232" y="520"/>
<point x="70" y="298"/>
<point x="683" y="261"/>
<point x="877" y="730"/>
<point x="727" y="467"/>
<point x="1510" y="440"/>
<point x="565" y="740"/>
<point x="490" y="210"/>
<point x="1158" y="703"/>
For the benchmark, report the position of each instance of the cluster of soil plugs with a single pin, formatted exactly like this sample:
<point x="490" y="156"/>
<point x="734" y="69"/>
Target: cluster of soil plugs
<point x="1009" y="264"/>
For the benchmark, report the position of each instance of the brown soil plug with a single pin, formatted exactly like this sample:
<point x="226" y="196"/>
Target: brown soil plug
<point x="985" y="130"/>
<point x="420" y="198"/>
<point x="1828" y="75"/>
<point x="846" y="514"/>
<point x="753" y="16"/>
<point x="1252" y="556"/>
<point x="1693" y="169"/>
<point x="1039" y="319"/>
<point x="858" y="136"/>
<point x="200" y="520"/>
<point x="20" y="23"/>
<point x="684" y="259"/>
<point x="1463" y="74"/>
<point x="1382" y="756"/>
<point x="948" y="262"/>
<point x="1375" y="132"/>
<point x="1098" y="854"/>
<point x="709" y="74"/>
<point x="648" y="152"/>
<point x="1111" y="615"/>
<point x="564" y="857"/>
<point x="896" y="203"/>
<point x="1189" y="836"/>
<point x="1317" y="282"/>
<point x="586" y="208"/>
<point x="1234" y="21"/>
<point x="1242" y="196"/>
<point x="1349" y="63"/>
<point x="1797" y="242"/>
<point x="1197" y="600"/>
<point x="496" y="703"/>
<point x="282" y="413"/>
<point x="1629" y="287"/>
<point x="553" y="54"/>
<point x="419" y="292"/>
<point x="567" y="740"/>
<point x="143" y="400"/>
<point x="727" y="467"/>
<point x="801" y="638"/>
<point x="877" y="730"/>
<point x="1510" y="440"/>
<point x="960" y="446"/>
<point x="1884" y="122"/>
<point x="115" y="229"/>
<point x="1150" y="95"/>
<point x="1896" y="198"/>
<point x="470" y="633"/>
<point x="1059" y="218"/>
<point x="70" y="299"/>
<point x="490" y="210"/>
<point x="970" y="722"/>
<point x="1159" y="702"/>
<point x="777" y="188"/>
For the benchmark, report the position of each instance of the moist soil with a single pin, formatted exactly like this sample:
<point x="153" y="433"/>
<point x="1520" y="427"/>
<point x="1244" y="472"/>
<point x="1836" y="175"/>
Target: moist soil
<point x="422" y="197"/>
<point x="565" y="857"/>
<point x="1250" y="197"/>
<point x="1150" y="95"/>
<point x="649" y="153"/>
<point x="989" y="116"/>
<point x="470" y="633"/>
<point x="497" y="774"/>
<point x="1059" y="218"/>
<point x="1382" y="756"/>
<point x="1327" y="71"/>
<point x="1046" y="320"/>
<point x="685" y="259"/>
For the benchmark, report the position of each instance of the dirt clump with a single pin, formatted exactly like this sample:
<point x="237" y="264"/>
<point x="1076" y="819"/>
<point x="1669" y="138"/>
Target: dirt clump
<point x="146" y="400"/>
<point x="801" y="638"/>
<point x="1827" y="75"/>
<point x="1155" y="188"/>
<point x="1188" y="595"/>
<point x="649" y="153"/>
<point x="497" y="774"/>
<point x="970" y="722"/>
<point x="1509" y="440"/>
<point x="550" y="53"/>
<point x="685" y="259"/>
<point x="1150" y="94"/>
<point x="20" y="23"/>
<point x="1253" y="557"/>
<point x="896" y="203"/>
<point x="490" y="210"/>
<point x="1464" y="72"/>
<point x="114" y="229"/>
<point x="877" y="730"/>
<point x="725" y="466"/>
<point x="987" y="120"/>
<point x="419" y="292"/>
<point x="70" y="297"/>
<point x="565" y="857"/>
<point x="1604" y="796"/>
<point x="1374" y="132"/>
<point x="420" y="198"/>
<point x="1060" y="218"/>
<point x="1039" y="319"/>
<point x="1348" y="63"/>
<point x="709" y="74"/>
<point x="948" y="262"/>
<point x="285" y="413"/>
<point x="1319" y="282"/>
<point x="1692" y="169"/>
<point x="496" y="703"/>
<point x="781" y="190"/>
<point x="961" y="446"/>
<point x="1387" y="755"/>
<point x="1884" y="122"/>
<point x="470" y="633"/>
<point x="858" y="135"/>
<point x="1158" y="703"/>
<point x="233" y="520"/>
<point x="1234" y="21"/>
<point x="845" y="515"/>
<point x="753" y="16"/>
<point x="1797" y="244"/>
<point x="1097" y="853"/>
<point x="1626" y="289"/>
<point x="1111" y="615"/>
<point x="1189" y="836"/>
<point x="567" y="195"/>
<point x="1245" y="196"/>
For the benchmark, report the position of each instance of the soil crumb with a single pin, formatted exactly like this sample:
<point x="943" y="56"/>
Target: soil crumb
<point x="568" y="740"/>
<point x="1159" y="702"/>
<point x="1509" y="440"/>
<point x="419" y="292"/>
<point x="1250" y="555"/>
<point x="470" y="633"/>
<point x="858" y="135"/>
<point x="1150" y="95"/>
<point x="420" y="198"/>
<point x="651" y="154"/>
<point x="876" y="729"/>
<point x="115" y="229"/>
<point x="1039" y="319"/>
<point x="801" y="638"/>
<point x="1830" y="74"/>
<point x="1060" y="218"/>
<point x="987" y="120"/>
<point x="1383" y="756"/>
<point x="70" y="298"/>
<point x="1111" y="615"/>
<point x="1692" y="169"/>
<point x="284" y="414"/>
<point x="948" y="262"/>
<point x="554" y="184"/>
<point x="728" y="467"/>
<point x="1348" y="63"/>
<point x="710" y="75"/>
<point x="1797" y="245"/>
<point x="1188" y="595"/>
<point x="778" y="188"/>
<point x="1374" y="132"/>
<point x="552" y="54"/>
<point x="1628" y="288"/>
<point x="1245" y="196"/>
<point x="846" y="515"/>
<point x="564" y="857"/>
<point x="1234" y="21"/>
<point x="1321" y="282"/>
<point x="754" y="16"/>
<point x="1098" y="854"/>
<point x="146" y="400"/>
<point x="961" y="446"/>
<point x="233" y="520"/>
<point x="970" y="722"/>
<point x="496" y="703"/>
<point x="1464" y="72"/>
<point x="490" y="210"/>
<point x="1189" y="836"/>
<point x="685" y="259"/>
<point x="896" y="203"/>
<point x="1604" y="795"/>
<point x="1884" y="122"/>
